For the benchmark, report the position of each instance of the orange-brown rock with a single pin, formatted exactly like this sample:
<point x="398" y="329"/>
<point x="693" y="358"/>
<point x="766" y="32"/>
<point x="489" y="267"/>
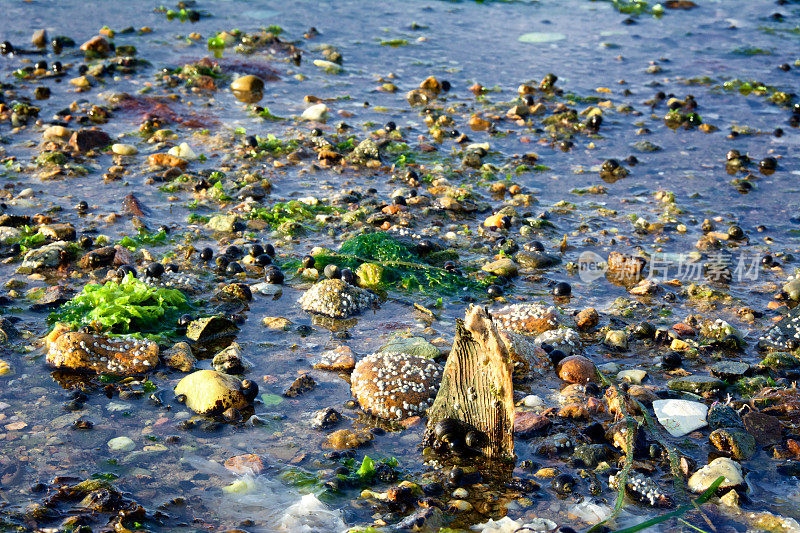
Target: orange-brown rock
<point x="577" y="369"/>
<point x="100" y="354"/>
<point x="166" y="160"/>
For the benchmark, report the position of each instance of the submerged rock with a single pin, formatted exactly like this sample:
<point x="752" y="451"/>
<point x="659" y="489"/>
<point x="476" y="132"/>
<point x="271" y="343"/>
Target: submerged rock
<point x="721" y="466"/>
<point x="230" y="360"/>
<point x="336" y="299"/>
<point x="211" y="392"/>
<point x="179" y="357"/>
<point x="48" y="256"/>
<point x="395" y="386"/>
<point x="87" y="352"/>
<point x="210" y="328"/>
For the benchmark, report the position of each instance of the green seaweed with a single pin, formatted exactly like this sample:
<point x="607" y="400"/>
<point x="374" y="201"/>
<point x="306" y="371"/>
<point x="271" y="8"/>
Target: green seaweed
<point x="401" y="269"/>
<point x="126" y="306"/>
<point x="292" y="212"/>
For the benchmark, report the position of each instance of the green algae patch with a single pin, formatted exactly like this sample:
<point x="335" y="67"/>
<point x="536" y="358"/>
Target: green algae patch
<point x="393" y="264"/>
<point x="126" y="306"/>
<point x="290" y="216"/>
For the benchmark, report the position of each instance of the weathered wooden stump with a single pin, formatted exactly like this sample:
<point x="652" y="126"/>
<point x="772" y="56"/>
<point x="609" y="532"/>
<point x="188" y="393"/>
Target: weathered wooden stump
<point x="473" y="412"/>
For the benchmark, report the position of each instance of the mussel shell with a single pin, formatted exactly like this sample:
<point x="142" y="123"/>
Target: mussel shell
<point x="447" y="426"/>
<point x="474" y="439"/>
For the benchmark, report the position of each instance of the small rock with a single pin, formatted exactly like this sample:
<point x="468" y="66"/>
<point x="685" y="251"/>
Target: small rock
<point x="527" y="424"/>
<point x="99" y="354"/>
<point x="340" y="359"/>
<point x="316" y="113"/>
<point x="721" y="466"/>
<point x="336" y="299"/>
<point x="84" y="140"/>
<point x="721" y="415"/>
<point x="765" y="428"/>
<point x="230" y="360"/>
<point x="179" y="357"/>
<point x="39" y="38"/>
<point x="223" y="223"/>
<point x="587" y="319"/>
<point x="249" y="463"/>
<point x="617" y="339"/>
<point x="210" y="328"/>
<point x="346" y="439"/>
<point x="211" y="392"/>
<point x="97" y="45"/>
<point x="301" y="385"/>
<point x="536" y="259"/>
<point x="577" y="369"/>
<point x="735" y="441"/>
<point x="183" y="151"/>
<point x="124" y="149"/>
<point x="58" y="232"/>
<point x="166" y="160"/>
<point x="696" y="384"/>
<point x="502" y="267"/>
<point x="121" y="444"/>
<point x="248" y="84"/>
<point x="729" y="370"/>
<point x="634" y="376"/>
<point x="395" y="386"/>
<point x="277" y="323"/>
<point x="326" y="418"/>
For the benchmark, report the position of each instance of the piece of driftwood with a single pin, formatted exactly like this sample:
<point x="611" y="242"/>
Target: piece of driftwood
<point x="473" y="412"/>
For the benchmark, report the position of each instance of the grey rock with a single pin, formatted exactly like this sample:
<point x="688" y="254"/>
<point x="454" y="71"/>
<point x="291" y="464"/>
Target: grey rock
<point x="723" y="416"/>
<point x="696" y="384"/>
<point x="537" y="259"/>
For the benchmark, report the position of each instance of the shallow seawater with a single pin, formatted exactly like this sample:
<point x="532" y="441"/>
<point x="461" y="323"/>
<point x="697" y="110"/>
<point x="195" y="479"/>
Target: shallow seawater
<point x="604" y="58"/>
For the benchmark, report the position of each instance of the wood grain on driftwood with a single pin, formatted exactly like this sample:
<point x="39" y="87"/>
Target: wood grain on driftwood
<point x="477" y="385"/>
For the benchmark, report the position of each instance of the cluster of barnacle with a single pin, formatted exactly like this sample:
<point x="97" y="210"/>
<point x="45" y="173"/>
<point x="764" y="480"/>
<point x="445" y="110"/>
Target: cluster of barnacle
<point x="642" y="489"/>
<point x="454" y="436"/>
<point x="170" y="279"/>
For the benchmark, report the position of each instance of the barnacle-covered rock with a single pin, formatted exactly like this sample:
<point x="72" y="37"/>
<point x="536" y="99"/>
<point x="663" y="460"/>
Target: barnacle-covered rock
<point x="783" y="336"/>
<point x="90" y="352"/>
<point x="395" y="386"/>
<point x="528" y="358"/>
<point x="210" y="392"/>
<point x="336" y="299"/>
<point x="642" y="489"/>
<point x="565" y="339"/>
<point x="184" y="281"/>
<point x="528" y="319"/>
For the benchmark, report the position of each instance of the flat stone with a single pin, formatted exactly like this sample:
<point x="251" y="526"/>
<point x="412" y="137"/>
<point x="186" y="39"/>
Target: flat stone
<point x="766" y="429"/>
<point x="502" y="267"/>
<point x="121" y="444"/>
<point x="411" y="346"/>
<point x="680" y="417"/>
<point x="633" y="375"/>
<point x="696" y="384"/>
<point x="124" y="149"/>
<point x="223" y="223"/>
<point x="729" y="369"/>
<point x="527" y="424"/>
<point x="536" y="259"/>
